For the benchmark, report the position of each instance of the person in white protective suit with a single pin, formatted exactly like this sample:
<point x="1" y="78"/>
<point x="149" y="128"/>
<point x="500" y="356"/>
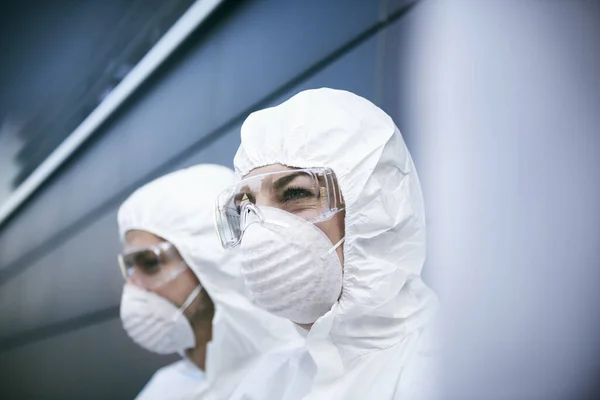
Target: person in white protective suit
<point x="329" y="217"/>
<point x="184" y="294"/>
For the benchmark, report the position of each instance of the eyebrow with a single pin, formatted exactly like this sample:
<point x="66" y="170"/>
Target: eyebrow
<point x="284" y="181"/>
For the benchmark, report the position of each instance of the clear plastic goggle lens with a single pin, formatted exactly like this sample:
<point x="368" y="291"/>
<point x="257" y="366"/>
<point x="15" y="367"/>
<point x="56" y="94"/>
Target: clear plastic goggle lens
<point x="311" y="193"/>
<point x="152" y="266"/>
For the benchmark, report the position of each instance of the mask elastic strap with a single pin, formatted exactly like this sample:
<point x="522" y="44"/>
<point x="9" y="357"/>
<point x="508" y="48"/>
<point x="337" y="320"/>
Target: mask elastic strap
<point x="188" y="301"/>
<point x="334" y="248"/>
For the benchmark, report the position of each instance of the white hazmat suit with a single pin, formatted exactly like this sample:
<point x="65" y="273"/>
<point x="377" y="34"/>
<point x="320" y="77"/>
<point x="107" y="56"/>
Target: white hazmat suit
<point x="372" y="344"/>
<point x="178" y="207"/>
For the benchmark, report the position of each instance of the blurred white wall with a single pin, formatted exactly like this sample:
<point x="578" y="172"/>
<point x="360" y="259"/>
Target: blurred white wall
<point x="504" y="100"/>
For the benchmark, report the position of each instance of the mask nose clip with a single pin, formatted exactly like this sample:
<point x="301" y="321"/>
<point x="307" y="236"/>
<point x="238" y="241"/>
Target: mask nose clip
<point x="250" y="214"/>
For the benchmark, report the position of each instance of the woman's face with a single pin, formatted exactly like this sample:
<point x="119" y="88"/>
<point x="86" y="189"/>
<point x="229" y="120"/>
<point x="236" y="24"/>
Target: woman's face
<point x="333" y="228"/>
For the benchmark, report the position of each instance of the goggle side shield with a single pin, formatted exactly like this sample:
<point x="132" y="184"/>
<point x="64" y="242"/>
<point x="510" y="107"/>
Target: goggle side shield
<point x="151" y="266"/>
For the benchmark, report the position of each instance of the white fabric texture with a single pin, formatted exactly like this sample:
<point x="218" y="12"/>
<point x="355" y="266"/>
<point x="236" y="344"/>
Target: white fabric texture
<point x="155" y="323"/>
<point x="371" y="344"/>
<point x="177" y="381"/>
<point x="179" y="208"/>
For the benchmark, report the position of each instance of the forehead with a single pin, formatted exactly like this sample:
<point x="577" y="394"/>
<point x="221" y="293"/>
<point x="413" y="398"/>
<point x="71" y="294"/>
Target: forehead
<point x="268" y="168"/>
<point x="137" y="238"/>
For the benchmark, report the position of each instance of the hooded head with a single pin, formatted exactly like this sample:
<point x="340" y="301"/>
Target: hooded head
<point x="383" y="298"/>
<point x="178" y="208"/>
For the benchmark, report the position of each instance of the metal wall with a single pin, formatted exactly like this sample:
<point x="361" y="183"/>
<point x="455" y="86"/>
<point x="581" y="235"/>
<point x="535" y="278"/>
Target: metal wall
<point x="60" y="336"/>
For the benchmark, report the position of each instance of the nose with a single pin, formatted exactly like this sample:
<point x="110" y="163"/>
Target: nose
<point x="262" y="199"/>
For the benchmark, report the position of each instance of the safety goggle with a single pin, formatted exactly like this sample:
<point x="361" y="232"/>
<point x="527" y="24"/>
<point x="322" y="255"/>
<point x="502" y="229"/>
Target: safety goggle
<point x="152" y="266"/>
<point x="311" y="193"/>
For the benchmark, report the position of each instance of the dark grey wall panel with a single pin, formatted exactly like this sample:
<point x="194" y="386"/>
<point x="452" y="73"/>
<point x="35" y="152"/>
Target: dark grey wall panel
<point x="253" y="52"/>
<point x="81" y="276"/>
<point x="40" y="222"/>
<point x="391" y="6"/>
<point x="355" y="72"/>
<point x="10" y="298"/>
<point x="80" y="365"/>
<point x="272" y="43"/>
<point x="221" y="151"/>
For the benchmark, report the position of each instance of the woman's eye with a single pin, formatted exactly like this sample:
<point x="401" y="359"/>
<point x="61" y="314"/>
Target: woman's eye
<point x="292" y="194"/>
<point x="149" y="267"/>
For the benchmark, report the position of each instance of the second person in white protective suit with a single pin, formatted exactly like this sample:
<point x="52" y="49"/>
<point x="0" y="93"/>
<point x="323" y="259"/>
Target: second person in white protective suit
<point x="184" y="294"/>
<point x="329" y="218"/>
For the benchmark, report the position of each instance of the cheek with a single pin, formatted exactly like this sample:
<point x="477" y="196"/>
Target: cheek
<point x="204" y="305"/>
<point x="330" y="229"/>
<point x="179" y="288"/>
<point x="334" y="230"/>
<point x="340" y="222"/>
<point x="340" y="253"/>
<point x="340" y="219"/>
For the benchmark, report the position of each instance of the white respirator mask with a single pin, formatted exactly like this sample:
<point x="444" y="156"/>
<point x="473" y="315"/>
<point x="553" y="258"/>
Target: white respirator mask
<point x="290" y="266"/>
<point x="155" y="323"/>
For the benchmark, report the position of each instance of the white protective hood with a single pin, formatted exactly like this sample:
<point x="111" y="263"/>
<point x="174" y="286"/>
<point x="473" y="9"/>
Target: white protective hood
<point x="362" y="346"/>
<point x="179" y="208"/>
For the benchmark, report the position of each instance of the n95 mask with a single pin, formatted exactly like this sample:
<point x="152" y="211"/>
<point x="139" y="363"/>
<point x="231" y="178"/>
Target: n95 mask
<point x="156" y="324"/>
<point x="290" y="266"/>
